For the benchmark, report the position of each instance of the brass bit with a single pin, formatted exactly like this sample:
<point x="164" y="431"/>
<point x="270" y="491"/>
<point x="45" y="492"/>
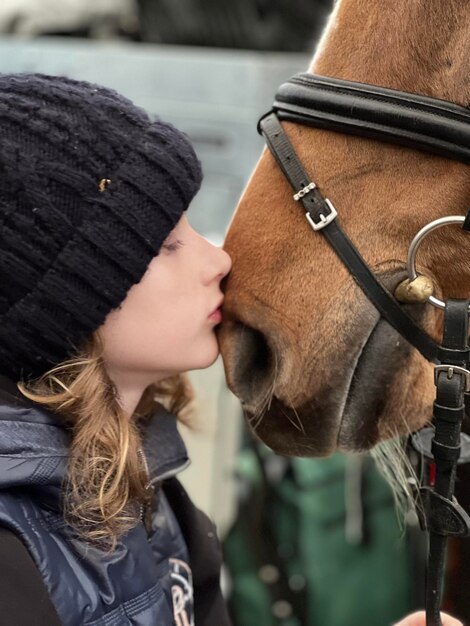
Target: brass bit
<point x="417" y="290"/>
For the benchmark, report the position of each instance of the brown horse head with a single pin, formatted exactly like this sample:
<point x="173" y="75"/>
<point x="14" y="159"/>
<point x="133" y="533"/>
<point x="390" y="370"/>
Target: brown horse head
<point x="312" y="362"/>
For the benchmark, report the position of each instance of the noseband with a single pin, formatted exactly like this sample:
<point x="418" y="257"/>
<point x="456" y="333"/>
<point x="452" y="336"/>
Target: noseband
<point x="421" y="123"/>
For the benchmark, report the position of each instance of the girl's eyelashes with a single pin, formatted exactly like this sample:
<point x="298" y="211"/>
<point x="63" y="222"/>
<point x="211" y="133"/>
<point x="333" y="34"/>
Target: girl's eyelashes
<point x="173" y="246"/>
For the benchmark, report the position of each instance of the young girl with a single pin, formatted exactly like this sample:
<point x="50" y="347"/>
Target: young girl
<point x="106" y="296"/>
<point x="105" y="292"/>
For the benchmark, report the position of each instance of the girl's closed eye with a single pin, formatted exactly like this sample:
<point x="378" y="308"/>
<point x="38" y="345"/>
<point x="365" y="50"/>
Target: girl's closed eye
<point x="173" y="246"/>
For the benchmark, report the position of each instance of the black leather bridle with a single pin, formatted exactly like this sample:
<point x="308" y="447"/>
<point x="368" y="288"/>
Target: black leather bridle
<point x="421" y="123"/>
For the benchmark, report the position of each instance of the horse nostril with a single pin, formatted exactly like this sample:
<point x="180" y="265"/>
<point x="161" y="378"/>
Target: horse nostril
<point x="254" y="366"/>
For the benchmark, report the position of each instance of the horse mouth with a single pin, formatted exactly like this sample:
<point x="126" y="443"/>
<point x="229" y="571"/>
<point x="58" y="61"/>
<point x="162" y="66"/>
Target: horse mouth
<point x="349" y="406"/>
<point x="344" y="416"/>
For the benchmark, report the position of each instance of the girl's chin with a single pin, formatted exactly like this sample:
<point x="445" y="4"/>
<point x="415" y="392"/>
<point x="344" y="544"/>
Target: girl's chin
<point x="207" y="357"/>
<point x="203" y="354"/>
<point x="208" y="362"/>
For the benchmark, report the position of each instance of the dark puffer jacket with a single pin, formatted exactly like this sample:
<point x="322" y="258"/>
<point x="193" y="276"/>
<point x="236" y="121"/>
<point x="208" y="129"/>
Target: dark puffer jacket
<point x="169" y="575"/>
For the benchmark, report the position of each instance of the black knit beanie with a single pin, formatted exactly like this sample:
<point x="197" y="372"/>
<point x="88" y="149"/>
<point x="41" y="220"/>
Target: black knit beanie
<point x="90" y="188"/>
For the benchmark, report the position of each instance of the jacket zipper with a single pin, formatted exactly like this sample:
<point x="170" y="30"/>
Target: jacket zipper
<point x="144" y="507"/>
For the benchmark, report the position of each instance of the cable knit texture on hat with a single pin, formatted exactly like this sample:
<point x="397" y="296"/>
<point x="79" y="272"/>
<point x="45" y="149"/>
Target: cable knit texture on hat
<point x="71" y="246"/>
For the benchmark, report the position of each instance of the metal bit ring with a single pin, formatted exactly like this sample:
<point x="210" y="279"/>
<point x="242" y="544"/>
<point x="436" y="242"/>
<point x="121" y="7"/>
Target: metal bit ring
<point x="411" y="261"/>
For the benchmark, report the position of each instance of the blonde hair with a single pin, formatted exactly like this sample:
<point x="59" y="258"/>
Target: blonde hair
<point x="107" y="478"/>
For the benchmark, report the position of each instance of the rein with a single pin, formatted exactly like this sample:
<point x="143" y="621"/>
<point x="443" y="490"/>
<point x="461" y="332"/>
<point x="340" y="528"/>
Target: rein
<point x="421" y="123"/>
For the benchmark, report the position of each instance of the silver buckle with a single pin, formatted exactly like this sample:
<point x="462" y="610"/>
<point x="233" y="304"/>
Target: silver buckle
<point x="324" y="220"/>
<point x="303" y="192"/>
<point x="451" y="370"/>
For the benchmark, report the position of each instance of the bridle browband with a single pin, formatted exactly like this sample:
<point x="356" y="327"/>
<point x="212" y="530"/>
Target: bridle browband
<point x="420" y="123"/>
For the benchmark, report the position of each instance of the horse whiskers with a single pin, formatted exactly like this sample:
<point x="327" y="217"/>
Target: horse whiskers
<point x="273" y="385"/>
<point x="257" y="417"/>
<point x="260" y="412"/>
<point x="413" y="478"/>
<point x="254" y="421"/>
<point x="298" y="426"/>
<point x="392" y="461"/>
<point x="266" y="401"/>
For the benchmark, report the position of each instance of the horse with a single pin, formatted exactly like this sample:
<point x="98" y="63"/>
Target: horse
<point x="315" y="366"/>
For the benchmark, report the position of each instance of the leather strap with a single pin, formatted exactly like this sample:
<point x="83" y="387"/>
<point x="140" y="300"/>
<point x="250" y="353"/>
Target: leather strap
<point x="419" y="122"/>
<point x="315" y="205"/>
<point x="421" y="441"/>
<point x="444" y="516"/>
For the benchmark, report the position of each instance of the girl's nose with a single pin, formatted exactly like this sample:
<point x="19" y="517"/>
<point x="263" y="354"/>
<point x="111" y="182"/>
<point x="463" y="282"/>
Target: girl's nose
<point x="219" y="265"/>
<point x="225" y="262"/>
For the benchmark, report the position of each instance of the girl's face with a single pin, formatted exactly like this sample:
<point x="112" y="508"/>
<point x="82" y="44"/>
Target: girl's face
<point x="165" y="326"/>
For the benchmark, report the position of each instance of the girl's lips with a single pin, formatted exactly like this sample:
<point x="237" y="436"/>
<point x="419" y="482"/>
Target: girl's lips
<point x="216" y="316"/>
<point x="218" y="309"/>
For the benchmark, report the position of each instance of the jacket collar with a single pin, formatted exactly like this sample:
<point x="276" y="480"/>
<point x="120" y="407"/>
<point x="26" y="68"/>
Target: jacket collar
<point x="34" y="443"/>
